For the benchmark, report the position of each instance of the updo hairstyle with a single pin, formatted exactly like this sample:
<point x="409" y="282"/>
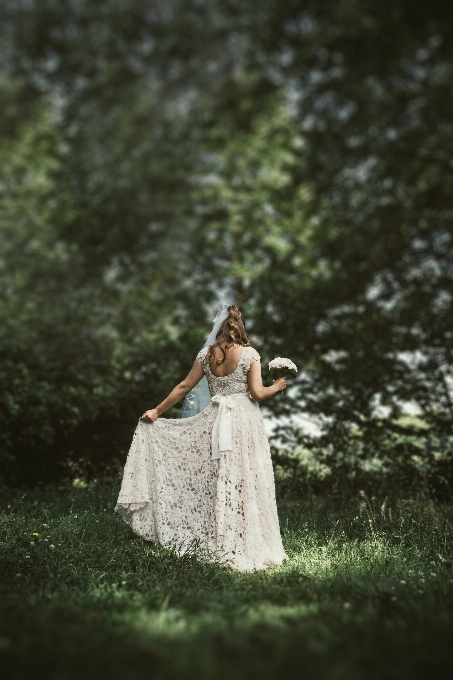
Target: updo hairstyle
<point x="231" y="332"/>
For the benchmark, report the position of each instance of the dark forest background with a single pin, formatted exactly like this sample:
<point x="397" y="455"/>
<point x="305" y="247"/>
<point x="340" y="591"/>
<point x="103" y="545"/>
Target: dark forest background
<point x="157" y="158"/>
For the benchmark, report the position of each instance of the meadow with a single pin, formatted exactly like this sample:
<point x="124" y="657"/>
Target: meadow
<point x="367" y="592"/>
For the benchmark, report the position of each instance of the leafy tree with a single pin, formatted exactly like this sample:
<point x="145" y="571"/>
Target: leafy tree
<point x="155" y="157"/>
<point x="85" y="348"/>
<point x="357" y="287"/>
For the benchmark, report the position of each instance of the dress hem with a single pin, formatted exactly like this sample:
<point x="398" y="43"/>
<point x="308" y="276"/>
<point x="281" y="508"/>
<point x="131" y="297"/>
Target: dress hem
<point x="126" y="511"/>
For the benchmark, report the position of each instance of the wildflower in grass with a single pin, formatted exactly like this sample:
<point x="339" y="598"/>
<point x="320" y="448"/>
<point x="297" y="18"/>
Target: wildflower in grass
<point x="403" y="583"/>
<point x="32" y="543"/>
<point x="46" y="539"/>
<point x="27" y="557"/>
<point x="35" y="533"/>
<point x="433" y="573"/>
<point x="52" y="546"/>
<point x="18" y="575"/>
<point x="346" y="605"/>
<point x="44" y="525"/>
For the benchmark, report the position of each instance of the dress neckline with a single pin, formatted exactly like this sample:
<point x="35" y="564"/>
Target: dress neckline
<point x="228" y="374"/>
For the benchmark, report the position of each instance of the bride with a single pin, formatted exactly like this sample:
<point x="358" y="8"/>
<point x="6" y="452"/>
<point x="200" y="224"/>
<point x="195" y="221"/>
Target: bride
<point x="207" y="479"/>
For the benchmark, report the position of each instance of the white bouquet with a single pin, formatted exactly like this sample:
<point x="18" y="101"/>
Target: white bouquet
<point x="280" y="367"/>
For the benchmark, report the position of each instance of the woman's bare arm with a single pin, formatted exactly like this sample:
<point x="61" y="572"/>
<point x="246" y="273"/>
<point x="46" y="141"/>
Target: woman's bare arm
<point x="257" y="390"/>
<point x="176" y="394"/>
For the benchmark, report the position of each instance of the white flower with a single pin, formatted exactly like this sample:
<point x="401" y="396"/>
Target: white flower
<point x="18" y="575"/>
<point x="433" y="574"/>
<point x="281" y="362"/>
<point x="51" y="546"/>
<point x="403" y="583"/>
<point x="27" y="557"/>
<point x="346" y="605"/>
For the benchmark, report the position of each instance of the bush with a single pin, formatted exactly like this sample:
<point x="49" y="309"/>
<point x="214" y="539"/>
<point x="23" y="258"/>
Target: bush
<point x="409" y="456"/>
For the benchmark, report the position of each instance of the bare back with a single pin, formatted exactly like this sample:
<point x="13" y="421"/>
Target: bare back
<point x="230" y="364"/>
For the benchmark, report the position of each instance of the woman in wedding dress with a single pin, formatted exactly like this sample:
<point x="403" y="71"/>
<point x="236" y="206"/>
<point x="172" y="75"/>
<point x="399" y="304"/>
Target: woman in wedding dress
<point x="208" y="479"/>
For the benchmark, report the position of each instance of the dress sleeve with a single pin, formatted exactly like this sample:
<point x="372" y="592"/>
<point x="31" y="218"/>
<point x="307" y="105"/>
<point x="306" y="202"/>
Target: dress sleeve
<point x="201" y="356"/>
<point x="250" y="355"/>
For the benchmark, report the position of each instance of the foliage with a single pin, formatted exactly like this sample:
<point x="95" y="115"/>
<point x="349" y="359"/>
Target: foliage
<point x="84" y="351"/>
<point x="367" y="590"/>
<point x="356" y="282"/>
<point x="408" y="458"/>
<point x="156" y="160"/>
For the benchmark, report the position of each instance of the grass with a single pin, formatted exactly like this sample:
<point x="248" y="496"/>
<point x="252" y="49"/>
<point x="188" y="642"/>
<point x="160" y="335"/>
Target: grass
<point x="367" y="593"/>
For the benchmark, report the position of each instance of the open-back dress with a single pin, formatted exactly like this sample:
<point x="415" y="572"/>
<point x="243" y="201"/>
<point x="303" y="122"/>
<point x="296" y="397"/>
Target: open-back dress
<point x="176" y="493"/>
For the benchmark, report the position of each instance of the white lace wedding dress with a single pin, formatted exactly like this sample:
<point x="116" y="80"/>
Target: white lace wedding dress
<point x="174" y="492"/>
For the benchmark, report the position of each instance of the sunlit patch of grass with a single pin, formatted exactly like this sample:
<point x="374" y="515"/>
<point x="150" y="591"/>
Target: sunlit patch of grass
<point x="366" y="591"/>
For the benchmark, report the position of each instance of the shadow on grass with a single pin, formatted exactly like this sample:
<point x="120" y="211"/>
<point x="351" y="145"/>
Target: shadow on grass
<point x="366" y="593"/>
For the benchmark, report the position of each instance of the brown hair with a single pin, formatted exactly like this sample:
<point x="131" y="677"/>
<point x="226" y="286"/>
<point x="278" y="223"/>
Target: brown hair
<point x="231" y="332"/>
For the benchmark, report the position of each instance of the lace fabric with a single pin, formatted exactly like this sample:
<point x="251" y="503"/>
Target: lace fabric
<point x="173" y="492"/>
<point x="235" y="382"/>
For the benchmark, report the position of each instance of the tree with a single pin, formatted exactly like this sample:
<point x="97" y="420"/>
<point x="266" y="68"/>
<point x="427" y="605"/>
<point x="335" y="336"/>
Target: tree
<point x="357" y="288"/>
<point x="291" y="155"/>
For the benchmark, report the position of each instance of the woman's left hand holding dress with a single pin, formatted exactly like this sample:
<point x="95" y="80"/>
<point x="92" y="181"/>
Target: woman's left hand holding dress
<point x="150" y="416"/>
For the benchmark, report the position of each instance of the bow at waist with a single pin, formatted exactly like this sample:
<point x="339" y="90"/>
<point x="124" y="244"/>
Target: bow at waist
<point x="221" y="432"/>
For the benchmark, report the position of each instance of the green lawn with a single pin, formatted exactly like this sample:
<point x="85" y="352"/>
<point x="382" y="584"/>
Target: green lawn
<point x="367" y="593"/>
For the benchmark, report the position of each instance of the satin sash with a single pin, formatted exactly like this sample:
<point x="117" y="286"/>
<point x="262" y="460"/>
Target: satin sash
<point x="221" y="432"/>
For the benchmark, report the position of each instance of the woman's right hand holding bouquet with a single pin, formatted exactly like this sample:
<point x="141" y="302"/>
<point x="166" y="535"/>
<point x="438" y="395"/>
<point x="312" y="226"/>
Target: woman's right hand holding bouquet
<point x="279" y="384"/>
<point x="280" y="369"/>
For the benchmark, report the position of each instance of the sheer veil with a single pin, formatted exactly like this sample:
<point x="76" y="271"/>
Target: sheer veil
<point x="199" y="398"/>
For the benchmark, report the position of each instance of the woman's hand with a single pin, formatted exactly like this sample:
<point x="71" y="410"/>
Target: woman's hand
<point x="257" y="390"/>
<point x="280" y="384"/>
<point x="150" y="416"/>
